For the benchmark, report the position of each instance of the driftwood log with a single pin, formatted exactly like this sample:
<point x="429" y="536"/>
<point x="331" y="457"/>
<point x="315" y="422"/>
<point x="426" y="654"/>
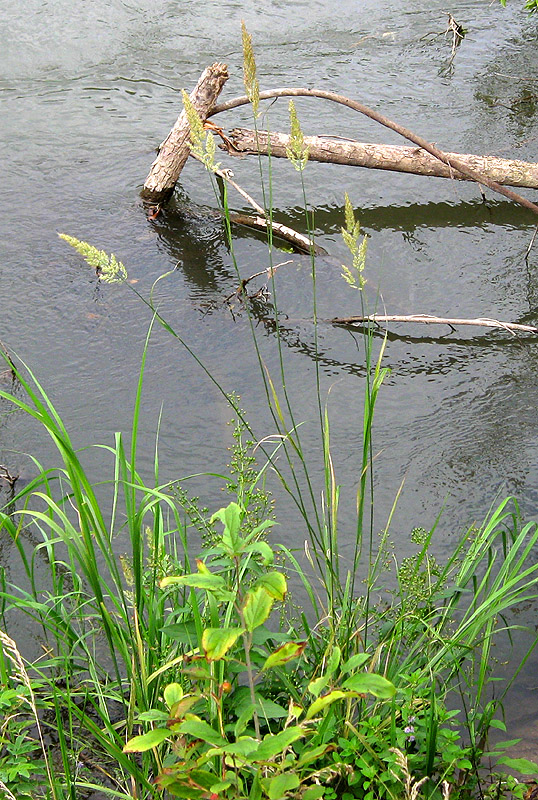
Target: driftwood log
<point x="175" y="150"/>
<point x="415" y="160"/>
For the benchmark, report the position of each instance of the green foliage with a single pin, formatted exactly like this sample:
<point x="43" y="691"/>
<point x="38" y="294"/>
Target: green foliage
<point x="297" y="152"/>
<point x="250" y="78"/>
<point x="530" y="5"/>
<point x="202" y="142"/>
<point x="107" y="268"/>
<point x="189" y="647"/>
<point x="351" y="235"/>
<point x="229" y="734"/>
<point x="22" y="762"/>
<point x="22" y="766"/>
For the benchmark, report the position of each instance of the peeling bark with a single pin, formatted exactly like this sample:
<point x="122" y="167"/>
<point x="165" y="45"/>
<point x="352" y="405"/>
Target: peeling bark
<point x="397" y="158"/>
<point x="174" y="151"/>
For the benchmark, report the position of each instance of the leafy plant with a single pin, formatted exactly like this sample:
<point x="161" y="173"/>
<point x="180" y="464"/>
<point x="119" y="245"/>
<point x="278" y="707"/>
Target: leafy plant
<point x="229" y="738"/>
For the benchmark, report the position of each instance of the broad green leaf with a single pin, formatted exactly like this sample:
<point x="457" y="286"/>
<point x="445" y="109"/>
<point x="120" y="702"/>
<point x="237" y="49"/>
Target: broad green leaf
<point x="153" y="716"/>
<point x="281" y="784"/>
<point x="263" y="549"/>
<point x="262" y="634"/>
<point x="322" y="702"/>
<point x="355" y="662"/>
<point x="313" y="793"/>
<point x="243" y="747"/>
<point x="202" y="777"/>
<point x="221" y="786"/>
<point x="256" y="788"/>
<point x="522" y="765"/>
<point x="257" y="607"/>
<point x="371" y="683"/>
<point x="312" y="755"/>
<point x="333" y="662"/>
<point x="231" y="519"/>
<point x="184" y="632"/>
<point x="283" y="654"/>
<point x="243" y="720"/>
<point x="139" y="744"/>
<point x="273" y="744"/>
<point x="179" y="787"/>
<point x="179" y="709"/>
<point x="274" y="584"/>
<point x="201" y="730"/>
<point x="316" y="686"/>
<point x="217" y="641"/>
<point x="266" y="708"/>
<point x="196" y="580"/>
<point x="173" y="693"/>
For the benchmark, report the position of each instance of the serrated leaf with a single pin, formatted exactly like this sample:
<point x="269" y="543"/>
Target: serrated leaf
<point x="274" y="583"/>
<point x="217" y="641"/>
<point x="370" y="683"/>
<point x="273" y="744"/>
<point x="139" y="744"/>
<point x="286" y="652"/>
<point x="173" y="693"/>
<point x="322" y="702"/>
<point x="257" y="607"/>
<point x="522" y="765"/>
<point x="201" y="730"/>
<point x="278" y="786"/>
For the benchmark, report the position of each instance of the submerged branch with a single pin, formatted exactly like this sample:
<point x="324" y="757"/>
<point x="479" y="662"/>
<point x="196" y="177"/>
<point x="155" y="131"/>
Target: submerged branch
<point x="482" y="322"/>
<point x="302" y="243"/>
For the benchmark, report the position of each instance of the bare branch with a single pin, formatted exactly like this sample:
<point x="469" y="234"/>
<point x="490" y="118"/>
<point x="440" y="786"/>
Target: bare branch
<point x="482" y="322"/>
<point x="452" y="162"/>
<point x="298" y="240"/>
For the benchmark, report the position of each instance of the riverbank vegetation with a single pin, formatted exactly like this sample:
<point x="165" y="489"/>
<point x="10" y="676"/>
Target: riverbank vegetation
<point x="186" y="652"/>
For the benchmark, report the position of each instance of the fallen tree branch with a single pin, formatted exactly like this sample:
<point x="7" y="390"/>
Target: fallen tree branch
<point x="300" y="242"/>
<point x="452" y="163"/>
<point x="174" y="151"/>
<point x="397" y="158"/>
<point x="482" y="322"/>
<point x="269" y="272"/>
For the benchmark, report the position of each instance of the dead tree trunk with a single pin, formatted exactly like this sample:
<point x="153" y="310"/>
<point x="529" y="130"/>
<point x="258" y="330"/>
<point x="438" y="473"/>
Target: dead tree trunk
<point x="174" y="151"/>
<point x="389" y="157"/>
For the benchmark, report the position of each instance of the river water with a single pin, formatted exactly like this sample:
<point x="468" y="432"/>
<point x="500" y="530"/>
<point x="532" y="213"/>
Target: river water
<point x="88" y="90"/>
